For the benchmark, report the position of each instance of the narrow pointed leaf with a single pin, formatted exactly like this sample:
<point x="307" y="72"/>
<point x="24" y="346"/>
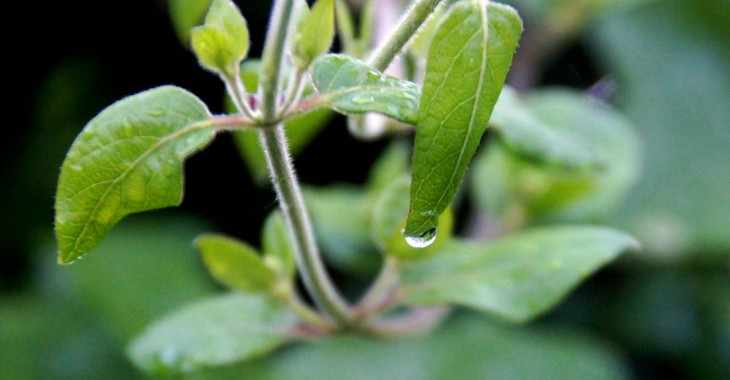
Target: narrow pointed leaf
<point x="127" y="159"/>
<point x="315" y="33"/>
<point x="518" y="277"/>
<point x="235" y="263"/>
<point x="349" y="85"/>
<point x="468" y="61"/>
<point x="216" y="331"/>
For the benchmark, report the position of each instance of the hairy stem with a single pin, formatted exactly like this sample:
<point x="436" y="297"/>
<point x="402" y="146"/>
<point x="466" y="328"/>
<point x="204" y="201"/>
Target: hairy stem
<point x="414" y="18"/>
<point x="292" y="205"/>
<point x="272" y="60"/>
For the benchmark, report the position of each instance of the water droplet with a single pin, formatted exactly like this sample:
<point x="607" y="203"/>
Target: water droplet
<point x="363" y="99"/>
<point x="372" y="75"/>
<point x="156" y="113"/>
<point x="422" y="240"/>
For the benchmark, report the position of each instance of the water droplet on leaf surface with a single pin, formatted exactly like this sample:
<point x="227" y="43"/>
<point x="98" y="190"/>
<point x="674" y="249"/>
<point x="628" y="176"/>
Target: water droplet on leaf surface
<point x="423" y="239"/>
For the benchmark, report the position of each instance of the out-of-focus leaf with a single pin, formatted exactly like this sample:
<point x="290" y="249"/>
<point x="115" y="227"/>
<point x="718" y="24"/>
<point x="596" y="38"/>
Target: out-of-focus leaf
<point x="524" y="133"/>
<point x="235" y="263"/>
<point x="544" y="192"/>
<point x="465" y="348"/>
<point x="222" y="42"/>
<point x="682" y="201"/>
<point x="518" y="277"/>
<point x="467" y="64"/>
<point x="392" y="163"/>
<point x="278" y="246"/>
<point x="186" y="14"/>
<point x="389" y="214"/>
<point x="127" y="159"/>
<point x="216" y="331"/>
<point x="341" y="218"/>
<point x="144" y="268"/>
<point x="315" y="33"/>
<point x="349" y="85"/>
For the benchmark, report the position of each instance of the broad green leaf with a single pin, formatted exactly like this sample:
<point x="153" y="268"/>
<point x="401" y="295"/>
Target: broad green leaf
<point x="517" y="277"/>
<point x="300" y="131"/>
<point x="341" y="218"/>
<point x="215" y="331"/>
<point x="466" y="347"/>
<point x="348" y="85"/>
<point x="467" y="65"/>
<point x="681" y="204"/>
<point x="127" y="159"/>
<point x="315" y="33"/>
<point x="235" y="263"/>
<point x="389" y="213"/>
<point x="186" y="14"/>
<point x="223" y="41"/>
<point x="278" y="246"/>
<point x="524" y="133"/>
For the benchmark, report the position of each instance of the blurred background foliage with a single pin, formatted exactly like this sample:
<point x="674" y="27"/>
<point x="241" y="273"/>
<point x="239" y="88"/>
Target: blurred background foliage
<point x="663" y="312"/>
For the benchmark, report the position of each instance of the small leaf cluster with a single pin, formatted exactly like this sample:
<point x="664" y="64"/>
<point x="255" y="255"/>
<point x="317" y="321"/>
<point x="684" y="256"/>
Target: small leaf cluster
<point x="550" y="156"/>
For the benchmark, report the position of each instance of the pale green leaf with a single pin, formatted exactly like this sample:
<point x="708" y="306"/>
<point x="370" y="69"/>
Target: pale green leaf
<point x="223" y="41"/>
<point x="517" y="277"/>
<point x="468" y="62"/>
<point x="524" y="133"/>
<point x="349" y="85"/>
<point x="186" y="14"/>
<point x="234" y="263"/>
<point x="392" y="163"/>
<point x="278" y="246"/>
<point x="127" y="159"/>
<point x="215" y="331"/>
<point x="315" y="33"/>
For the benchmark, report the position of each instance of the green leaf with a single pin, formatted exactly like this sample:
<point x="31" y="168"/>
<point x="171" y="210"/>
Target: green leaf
<point x="278" y="246"/>
<point x="524" y="133"/>
<point x="517" y="277"/>
<point x="223" y="41"/>
<point x="127" y="159"/>
<point x="341" y="218"/>
<point x="235" y="263"/>
<point x="348" y="85"/>
<point x="314" y="34"/>
<point x="215" y="331"/>
<point x="389" y="214"/>
<point x="392" y="163"/>
<point x="531" y="182"/>
<point x="466" y="347"/>
<point x="467" y="65"/>
<point x="186" y="14"/>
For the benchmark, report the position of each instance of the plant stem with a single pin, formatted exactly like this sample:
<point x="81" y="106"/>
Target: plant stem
<point x="292" y="205"/>
<point x="283" y="177"/>
<point x="379" y="293"/>
<point x="295" y="90"/>
<point x="272" y="60"/>
<point x="414" y="18"/>
<point x="416" y="321"/>
<point x="234" y="85"/>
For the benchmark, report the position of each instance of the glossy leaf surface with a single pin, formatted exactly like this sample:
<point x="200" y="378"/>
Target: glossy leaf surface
<point x="127" y="159"/>
<point x="468" y="61"/>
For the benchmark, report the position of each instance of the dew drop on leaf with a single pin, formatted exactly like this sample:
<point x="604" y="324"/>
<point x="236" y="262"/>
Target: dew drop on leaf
<point x="423" y="239"/>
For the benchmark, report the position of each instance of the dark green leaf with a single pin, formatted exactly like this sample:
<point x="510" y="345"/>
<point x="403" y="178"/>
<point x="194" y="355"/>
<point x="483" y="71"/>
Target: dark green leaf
<point x="315" y="33"/>
<point x="216" y="331"/>
<point x="127" y="159"/>
<point x="467" y="65"/>
<point x="518" y="277"/>
<point x="223" y="41"/>
<point x="349" y="85"/>
<point x="235" y="263"/>
<point x="278" y="246"/>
